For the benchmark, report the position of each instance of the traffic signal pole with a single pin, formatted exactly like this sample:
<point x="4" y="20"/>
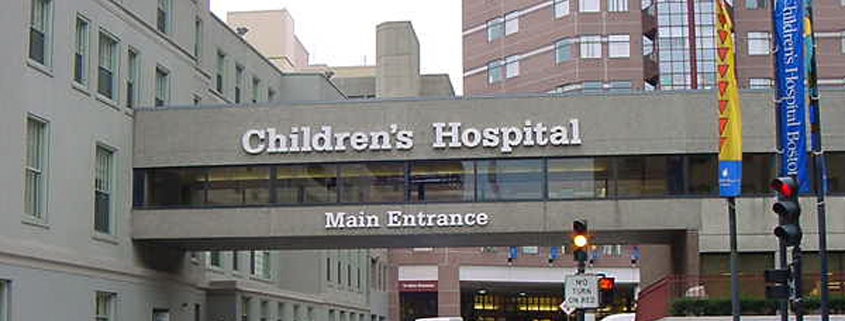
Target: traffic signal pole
<point x="582" y="266"/>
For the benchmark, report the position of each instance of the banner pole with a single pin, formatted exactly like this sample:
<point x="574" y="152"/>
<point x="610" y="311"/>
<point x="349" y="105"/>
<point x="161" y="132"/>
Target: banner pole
<point x="735" y="309"/>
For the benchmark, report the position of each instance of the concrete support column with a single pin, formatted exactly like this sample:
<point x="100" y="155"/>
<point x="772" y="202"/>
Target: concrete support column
<point x="393" y="294"/>
<point x="448" y="290"/>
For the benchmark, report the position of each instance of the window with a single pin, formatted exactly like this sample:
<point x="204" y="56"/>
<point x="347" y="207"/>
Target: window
<point x="161" y="315"/>
<point x="590" y="46"/>
<point x="588" y="6"/>
<point x="328" y="269"/>
<point x="591" y="86"/>
<point x="4" y="300"/>
<point x="620" y="86"/>
<point x="163" y="16"/>
<point x="162" y="95"/>
<point x="107" y="69"/>
<point x="442" y="181"/>
<point x="238" y="186"/>
<point x="264" y="310"/>
<point x="842" y="41"/>
<point x="104" y="191"/>
<point x="134" y="66"/>
<point x="561" y="8"/>
<point x="236" y="261"/>
<point x="755" y="4"/>
<point x="495" y="29"/>
<point x="759" y="83"/>
<point x="36" y="164"/>
<point x="758" y="43"/>
<point x="563" y="50"/>
<point x="41" y="31"/>
<point x="245" y="308"/>
<point x="494" y="71"/>
<point x="221" y="71"/>
<point x="259" y="262"/>
<point x="530" y="250"/>
<point x="574" y="178"/>
<point x="256" y="86"/>
<point x="296" y="312"/>
<point x="618" y="46"/>
<point x="512" y="22"/>
<point x="197" y="38"/>
<point x="617" y="5"/>
<point x="280" y="311"/>
<point x="80" y="56"/>
<point x="511" y="66"/>
<point x="516" y="179"/>
<point x="271" y="94"/>
<point x="214" y="259"/>
<point x="372" y="182"/>
<point x="104" y="306"/>
<point x="197" y="312"/>
<point x="239" y="82"/>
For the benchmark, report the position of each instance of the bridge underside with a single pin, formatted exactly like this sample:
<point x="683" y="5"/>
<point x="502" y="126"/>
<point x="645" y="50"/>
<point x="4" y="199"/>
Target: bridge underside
<point x="413" y="240"/>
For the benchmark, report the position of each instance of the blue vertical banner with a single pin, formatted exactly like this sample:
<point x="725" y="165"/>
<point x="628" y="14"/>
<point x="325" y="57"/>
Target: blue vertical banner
<point x="512" y="252"/>
<point x="788" y="17"/>
<point x="553" y="252"/>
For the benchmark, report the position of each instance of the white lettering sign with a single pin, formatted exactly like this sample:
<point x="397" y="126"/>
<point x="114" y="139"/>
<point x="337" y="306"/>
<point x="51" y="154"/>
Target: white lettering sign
<point x="581" y="292"/>
<point x="304" y="139"/>
<point x="398" y="219"/>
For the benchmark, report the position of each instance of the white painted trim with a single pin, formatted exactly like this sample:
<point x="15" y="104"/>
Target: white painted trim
<point x="418" y="273"/>
<point x="519" y="13"/>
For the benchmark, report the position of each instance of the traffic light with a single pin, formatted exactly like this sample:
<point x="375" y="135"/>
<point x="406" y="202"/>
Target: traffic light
<point x="580" y="240"/>
<point x="789" y="210"/>
<point x="607" y="289"/>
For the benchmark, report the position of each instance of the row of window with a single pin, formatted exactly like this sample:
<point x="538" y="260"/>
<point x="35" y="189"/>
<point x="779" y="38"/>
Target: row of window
<point x="618" y="46"/>
<point x="337" y="315"/>
<point x="259" y="262"/>
<point x="508" y="24"/>
<point x="619" y="86"/>
<point x="297" y="313"/>
<point x="36" y="178"/>
<point x="220" y="82"/>
<point x="108" y="81"/>
<point x="345" y="262"/>
<point x="454" y="181"/>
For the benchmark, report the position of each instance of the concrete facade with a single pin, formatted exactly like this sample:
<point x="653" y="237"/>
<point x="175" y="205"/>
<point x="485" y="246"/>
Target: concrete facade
<point x="606" y="130"/>
<point x="54" y="264"/>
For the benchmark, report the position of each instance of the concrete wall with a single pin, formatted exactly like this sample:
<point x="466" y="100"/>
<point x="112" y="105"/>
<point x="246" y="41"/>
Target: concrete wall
<point x="272" y="32"/>
<point x="397" y="60"/>
<point x="610" y="125"/>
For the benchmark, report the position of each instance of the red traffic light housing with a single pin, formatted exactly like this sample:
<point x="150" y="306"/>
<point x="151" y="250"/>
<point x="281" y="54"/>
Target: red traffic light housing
<point x="607" y="290"/>
<point x="789" y="210"/>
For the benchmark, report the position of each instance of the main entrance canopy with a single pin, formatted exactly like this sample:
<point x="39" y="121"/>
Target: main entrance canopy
<point x="483" y="171"/>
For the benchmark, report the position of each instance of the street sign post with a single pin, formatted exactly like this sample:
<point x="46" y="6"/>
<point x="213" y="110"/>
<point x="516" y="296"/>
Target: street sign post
<point x="581" y="292"/>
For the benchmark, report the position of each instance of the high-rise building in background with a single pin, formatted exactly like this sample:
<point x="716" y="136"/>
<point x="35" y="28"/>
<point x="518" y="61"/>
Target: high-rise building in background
<point x="621" y="45"/>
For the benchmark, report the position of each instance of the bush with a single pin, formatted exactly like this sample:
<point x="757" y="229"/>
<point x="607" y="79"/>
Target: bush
<point x="748" y="306"/>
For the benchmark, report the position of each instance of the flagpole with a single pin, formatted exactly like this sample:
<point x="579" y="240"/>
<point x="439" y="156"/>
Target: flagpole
<point x="820" y="171"/>
<point x="783" y="305"/>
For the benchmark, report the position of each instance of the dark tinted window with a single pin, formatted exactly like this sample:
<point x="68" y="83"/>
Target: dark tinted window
<point x="579" y="178"/>
<point x="178" y="186"/>
<point x="238" y="185"/>
<point x="306" y="184"/>
<point x="372" y="182"/>
<point x="442" y="181"/>
<point x="516" y="179"/>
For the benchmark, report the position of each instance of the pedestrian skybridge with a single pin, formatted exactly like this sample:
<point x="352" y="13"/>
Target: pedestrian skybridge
<point x="641" y="168"/>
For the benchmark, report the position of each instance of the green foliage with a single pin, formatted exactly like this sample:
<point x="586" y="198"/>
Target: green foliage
<point x="748" y="306"/>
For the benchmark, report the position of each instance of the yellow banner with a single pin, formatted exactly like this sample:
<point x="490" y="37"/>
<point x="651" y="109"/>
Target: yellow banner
<point x="730" y="116"/>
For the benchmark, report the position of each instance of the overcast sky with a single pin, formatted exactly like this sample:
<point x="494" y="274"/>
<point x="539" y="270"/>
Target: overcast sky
<point x="343" y="32"/>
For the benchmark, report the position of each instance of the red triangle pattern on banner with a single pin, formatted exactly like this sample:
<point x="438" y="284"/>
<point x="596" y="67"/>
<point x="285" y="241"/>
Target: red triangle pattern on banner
<point x="723" y="122"/>
<point x="723" y="53"/>
<point x="722" y="141"/>
<point x="723" y="70"/>
<point x="722" y="19"/>
<point x="723" y="35"/>
<point x="723" y="86"/>
<point x="723" y="104"/>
